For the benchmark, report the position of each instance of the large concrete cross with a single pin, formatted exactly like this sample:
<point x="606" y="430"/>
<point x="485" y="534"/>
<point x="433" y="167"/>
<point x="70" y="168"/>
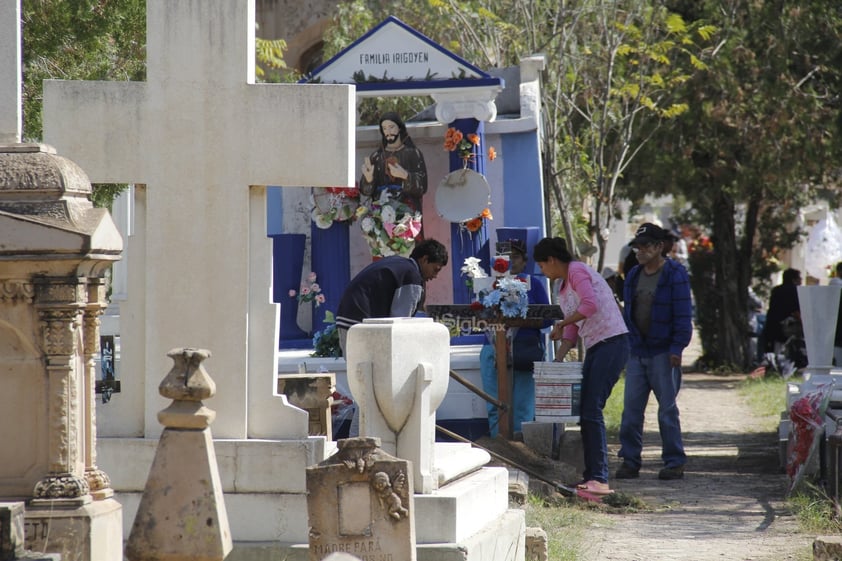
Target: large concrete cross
<point x="202" y="140"/>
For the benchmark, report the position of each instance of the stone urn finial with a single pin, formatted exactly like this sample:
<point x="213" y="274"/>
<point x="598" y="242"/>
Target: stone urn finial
<point x="187" y="384"/>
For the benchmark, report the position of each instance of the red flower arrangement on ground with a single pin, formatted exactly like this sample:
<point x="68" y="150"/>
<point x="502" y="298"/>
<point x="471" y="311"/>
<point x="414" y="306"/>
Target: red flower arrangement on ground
<point x="807" y="425"/>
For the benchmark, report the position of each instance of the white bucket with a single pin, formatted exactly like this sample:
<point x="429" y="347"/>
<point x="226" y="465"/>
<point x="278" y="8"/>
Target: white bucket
<point x="558" y="387"/>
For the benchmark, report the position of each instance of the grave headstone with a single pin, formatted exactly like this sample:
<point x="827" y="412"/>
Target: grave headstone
<point x="360" y="502"/>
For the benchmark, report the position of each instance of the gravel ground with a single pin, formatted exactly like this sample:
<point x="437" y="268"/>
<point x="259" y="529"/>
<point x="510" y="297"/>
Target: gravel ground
<point x="730" y="504"/>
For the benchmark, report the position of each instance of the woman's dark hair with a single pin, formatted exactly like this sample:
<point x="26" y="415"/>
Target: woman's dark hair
<point x="791" y="276"/>
<point x="552" y="247"/>
<point x="432" y="249"/>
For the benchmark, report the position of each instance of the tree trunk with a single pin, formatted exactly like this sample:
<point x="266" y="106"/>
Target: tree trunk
<point x="731" y="290"/>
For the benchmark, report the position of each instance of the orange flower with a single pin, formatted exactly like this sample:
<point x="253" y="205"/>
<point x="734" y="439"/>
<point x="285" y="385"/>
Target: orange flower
<point x="474" y="224"/>
<point x="474" y="139"/>
<point x="492" y="154"/>
<point x="452" y="138"/>
<point x="486" y="213"/>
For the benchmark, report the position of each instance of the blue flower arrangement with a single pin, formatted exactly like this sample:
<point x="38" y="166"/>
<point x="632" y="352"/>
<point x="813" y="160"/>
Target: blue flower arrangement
<point x="510" y="296"/>
<point x="326" y="341"/>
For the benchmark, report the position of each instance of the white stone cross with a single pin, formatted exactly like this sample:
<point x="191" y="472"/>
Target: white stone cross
<point x="10" y="99"/>
<point x="203" y="140"/>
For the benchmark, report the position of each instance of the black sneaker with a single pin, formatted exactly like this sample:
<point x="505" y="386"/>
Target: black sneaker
<point x="625" y="471"/>
<point x="668" y="474"/>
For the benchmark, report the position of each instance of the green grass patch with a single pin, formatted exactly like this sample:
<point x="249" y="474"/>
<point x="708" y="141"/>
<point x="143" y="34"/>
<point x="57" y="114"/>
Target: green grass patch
<point x="814" y="510"/>
<point x="613" y="411"/>
<point x="766" y="397"/>
<point x="566" y="527"/>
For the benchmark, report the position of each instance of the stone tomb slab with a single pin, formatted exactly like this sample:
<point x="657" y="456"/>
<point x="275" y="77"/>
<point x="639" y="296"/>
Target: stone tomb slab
<point x="11" y="530"/>
<point x="360" y="502"/>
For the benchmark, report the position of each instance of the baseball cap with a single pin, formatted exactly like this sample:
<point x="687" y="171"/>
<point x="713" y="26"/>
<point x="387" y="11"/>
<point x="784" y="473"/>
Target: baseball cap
<point x="648" y="233"/>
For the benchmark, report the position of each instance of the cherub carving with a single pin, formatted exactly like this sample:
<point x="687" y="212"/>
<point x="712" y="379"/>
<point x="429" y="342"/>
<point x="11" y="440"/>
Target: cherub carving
<point x="387" y="493"/>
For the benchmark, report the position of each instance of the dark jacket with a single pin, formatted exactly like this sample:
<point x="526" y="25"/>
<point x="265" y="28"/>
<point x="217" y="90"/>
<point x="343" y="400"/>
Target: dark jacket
<point x="390" y="287"/>
<point x="783" y="303"/>
<point x="671" y="327"/>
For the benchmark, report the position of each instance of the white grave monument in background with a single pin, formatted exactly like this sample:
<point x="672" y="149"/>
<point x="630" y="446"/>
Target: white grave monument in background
<point x="201" y="141"/>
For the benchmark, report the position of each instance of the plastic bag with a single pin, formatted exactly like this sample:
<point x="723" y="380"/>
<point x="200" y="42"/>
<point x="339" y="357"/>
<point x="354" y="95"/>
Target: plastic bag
<point x="806" y="416"/>
<point x="824" y="247"/>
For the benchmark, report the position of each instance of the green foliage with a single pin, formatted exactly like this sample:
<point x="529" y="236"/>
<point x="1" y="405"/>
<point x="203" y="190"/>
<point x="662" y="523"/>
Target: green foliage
<point x="758" y="140"/>
<point x="269" y="56"/>
<point x="81" y="40"/>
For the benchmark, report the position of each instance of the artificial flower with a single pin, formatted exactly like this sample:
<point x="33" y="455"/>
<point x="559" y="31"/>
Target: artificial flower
<point x="501" y="265"/>
<point x="334" y="204"/>
<point x="465" y="145"/>
<point x="389" y="226"/>
<point x="509" y="296"/>
<point x="310" y="291"/>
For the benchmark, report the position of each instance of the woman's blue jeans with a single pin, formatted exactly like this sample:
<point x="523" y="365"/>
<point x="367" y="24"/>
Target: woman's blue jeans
<point x="644" y="375"/>
<point x="600" y="371"/>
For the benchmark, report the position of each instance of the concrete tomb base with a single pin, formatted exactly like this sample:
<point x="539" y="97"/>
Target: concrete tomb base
<point x="76" y="529"/>
<point x="465" y="520"/>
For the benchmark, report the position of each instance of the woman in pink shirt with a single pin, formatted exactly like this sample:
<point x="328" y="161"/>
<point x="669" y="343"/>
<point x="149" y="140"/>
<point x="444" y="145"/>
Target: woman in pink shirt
<point x="592" y="313"/>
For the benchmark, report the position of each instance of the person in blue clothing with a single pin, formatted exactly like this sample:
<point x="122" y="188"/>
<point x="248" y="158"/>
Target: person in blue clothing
<point x="658" y="315"/>
<point x="523" y="338"/>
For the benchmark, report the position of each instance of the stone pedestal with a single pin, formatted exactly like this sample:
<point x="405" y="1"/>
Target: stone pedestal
<point x="818" y="305"/>
<point x="182" y="513"/>
<point x="76" y="531"/>
<point x="55" y="250"/>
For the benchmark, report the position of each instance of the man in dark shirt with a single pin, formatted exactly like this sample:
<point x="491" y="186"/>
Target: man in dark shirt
<point x="390" y="287"/>
<point x="783" y="304"/>
<point x="658" y="314"/>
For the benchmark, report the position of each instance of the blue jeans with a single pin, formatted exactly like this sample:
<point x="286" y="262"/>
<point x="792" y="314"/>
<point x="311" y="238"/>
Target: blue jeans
<point x="523" y="391"/>
<point x="600" y="371"/>
<point x="643" y="375"/>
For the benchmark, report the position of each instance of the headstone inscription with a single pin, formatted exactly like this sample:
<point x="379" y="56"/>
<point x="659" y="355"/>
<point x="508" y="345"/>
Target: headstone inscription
<point x="360" y="502"/>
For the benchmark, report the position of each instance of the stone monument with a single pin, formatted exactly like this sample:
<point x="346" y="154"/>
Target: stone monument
<point x="398" y="370"/>
<point x="55" y="249"/>
<point x="201" y="141"/>
<point x="360" y="502"/>
<point x="182" y="514"/>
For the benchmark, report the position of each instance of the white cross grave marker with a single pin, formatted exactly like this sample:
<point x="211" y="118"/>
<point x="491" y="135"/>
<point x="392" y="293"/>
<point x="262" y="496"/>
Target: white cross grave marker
<point x="204" y="139"/>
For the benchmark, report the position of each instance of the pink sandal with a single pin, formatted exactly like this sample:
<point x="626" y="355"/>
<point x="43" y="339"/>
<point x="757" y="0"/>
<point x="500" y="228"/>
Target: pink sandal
<point x="594" y="487"/>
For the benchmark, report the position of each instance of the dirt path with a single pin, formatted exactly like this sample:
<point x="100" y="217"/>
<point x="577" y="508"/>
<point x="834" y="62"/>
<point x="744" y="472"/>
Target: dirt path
<point x="730" y="504"/>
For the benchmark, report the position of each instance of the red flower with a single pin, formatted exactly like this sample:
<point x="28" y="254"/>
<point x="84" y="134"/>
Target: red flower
<point x="476" y="305"/>
<point x="501" y="265"/>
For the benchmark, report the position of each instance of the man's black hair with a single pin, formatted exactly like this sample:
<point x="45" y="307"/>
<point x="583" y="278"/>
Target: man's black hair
<point x="432" y="249"/>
